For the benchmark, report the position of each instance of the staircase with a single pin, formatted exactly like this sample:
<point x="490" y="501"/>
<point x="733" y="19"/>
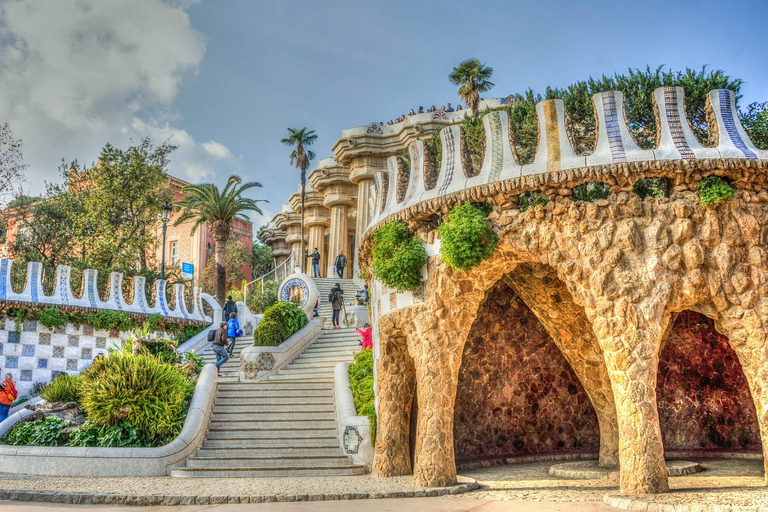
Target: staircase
<point x="324" y="286"/>
<point x="283" y="425"/>
<point x="229" y="371"/>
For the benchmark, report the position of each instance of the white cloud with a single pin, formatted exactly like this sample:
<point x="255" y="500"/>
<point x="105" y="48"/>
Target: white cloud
<point x="76" y="74"/>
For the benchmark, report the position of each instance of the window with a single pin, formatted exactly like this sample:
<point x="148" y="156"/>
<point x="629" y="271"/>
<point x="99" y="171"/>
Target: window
<point x="174" y="253"/>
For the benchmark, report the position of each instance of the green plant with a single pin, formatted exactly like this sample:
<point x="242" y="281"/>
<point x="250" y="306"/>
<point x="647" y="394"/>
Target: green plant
<point x="188" y="332"/>
<point x="64" y="388"/>
<point x="76" y="318"/>
<point x="531" y="200"/>
<point x="650" y="187"/>
<point x="52" y="317"/>
<point x="474" y="136"/>
<point x="466" y="238"/>
<point x="261" y="299"/>
<point x="397" y="257"/>
<point x="37" y="433"/>
<point x="19" y="315"/>
<point x="191" y="356"/>
<point x="142" y="390"/>
<point x="713" y="190"/>
<point x="152" y="323"/>
<point x="109" y="436"/>
<point x="361" y="383"/>
<point x="435" y="145"/>
<point x="591" y="191"/>
<point x="106" y="320"/>
<point x="280" y="321"/>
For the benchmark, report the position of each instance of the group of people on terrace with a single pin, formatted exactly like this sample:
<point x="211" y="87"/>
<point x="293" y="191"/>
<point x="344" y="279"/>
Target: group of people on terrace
<point x="444" y="108"/>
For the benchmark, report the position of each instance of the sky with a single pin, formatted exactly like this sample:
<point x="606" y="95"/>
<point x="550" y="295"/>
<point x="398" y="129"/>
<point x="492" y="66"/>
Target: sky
<point x="224" y="79"/>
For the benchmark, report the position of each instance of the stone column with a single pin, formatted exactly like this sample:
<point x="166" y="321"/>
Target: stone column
<point x="339" y="240"/>
<point x="395" y="389"/>
<point x="317" y="239"/>
<point x="362" y="171"/>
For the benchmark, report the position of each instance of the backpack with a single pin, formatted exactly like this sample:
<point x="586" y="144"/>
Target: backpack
<point x="331" y="296"/>
<point x="10" y="390"/>
<point x="212" y="335"/>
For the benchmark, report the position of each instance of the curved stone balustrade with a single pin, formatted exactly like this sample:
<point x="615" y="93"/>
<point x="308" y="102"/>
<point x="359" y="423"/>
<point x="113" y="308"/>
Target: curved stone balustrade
<point x="63" y="296"/>
<point x="615" y="145"/>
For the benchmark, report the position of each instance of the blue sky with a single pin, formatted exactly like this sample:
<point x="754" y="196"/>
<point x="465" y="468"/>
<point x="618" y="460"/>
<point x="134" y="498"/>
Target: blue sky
<point x="225" y="79"/>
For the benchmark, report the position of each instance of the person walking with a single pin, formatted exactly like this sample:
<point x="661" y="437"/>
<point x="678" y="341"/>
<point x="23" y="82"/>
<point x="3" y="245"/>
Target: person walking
<point x="367" y="335"/>
<point x="340" y="263"/>
<point x="229" y="307"/>
<point x="315" y="263"/>
<point x="8" y="395"/>
<point x="337" y="302"/>
<point x="220" y="345"/>
<point x="233" y="332"/>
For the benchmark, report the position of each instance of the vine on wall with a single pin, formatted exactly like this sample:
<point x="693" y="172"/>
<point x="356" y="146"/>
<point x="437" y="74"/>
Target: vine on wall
<point x="466" y="238"/>
<point x="397" y="257"/>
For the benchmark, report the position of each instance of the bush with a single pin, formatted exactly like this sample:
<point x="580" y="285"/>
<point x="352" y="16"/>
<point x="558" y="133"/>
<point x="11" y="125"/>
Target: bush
<point x="591" y="191"/>
<point x="152" y="323"/>
<point x="531" y="200"/>
<point x="280" y="321"/>
<point x="188" y="333"/>
<point x="466" y="238"/>
<point x="108" y="436"/>
<point x="37" y="433"/>
<point x="199" y="361"/>
<point x="474" y="136"/>
<point x="650" y="187"/>
<point x="142" y="390"/>
<point x="52" y="318"/>
<point x="106" y="320"/>
<point x="361" y="383"/>
<point x="397" y="257"/>
<point x="713" y="190"/>
<point x="259" y="301"/>
<point x="64" y="388"/>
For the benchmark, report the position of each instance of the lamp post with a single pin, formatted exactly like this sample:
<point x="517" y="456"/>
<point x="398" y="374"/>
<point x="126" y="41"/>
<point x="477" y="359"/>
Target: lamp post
<point x="166" y="215"/>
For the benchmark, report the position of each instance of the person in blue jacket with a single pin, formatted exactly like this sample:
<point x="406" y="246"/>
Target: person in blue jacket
<point x="233" y="332"/>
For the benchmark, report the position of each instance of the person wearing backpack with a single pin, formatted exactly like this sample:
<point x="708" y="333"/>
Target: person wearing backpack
<point x="229" y="307"/>
<point x="220" y="345"/>
<point x="8" y="395"/>
<point x="233" y="332"/>
<point x="336" y="298"/>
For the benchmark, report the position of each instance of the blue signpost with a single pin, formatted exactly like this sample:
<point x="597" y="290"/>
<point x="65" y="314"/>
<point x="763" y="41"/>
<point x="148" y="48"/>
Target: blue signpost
<point x="187" y="271"/>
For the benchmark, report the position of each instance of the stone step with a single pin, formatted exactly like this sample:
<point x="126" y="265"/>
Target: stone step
<point x="319" y="365"/>
<point x="275" y="424"/>
<point x="275" y="461"/>
<point x="272" y="441"/>
<point x="294" y="376"/>
<point x="269" y="417"/>
<point x="279" y="394"/>
<point x="261" y="385"/>
<point x="265" y="451"/>
<point x="330" y="359"/>
<point x="253" y="434"/>
<point x="328" y="351"/>
<point x="259" y="404"/>
<point x="266" y="471"/>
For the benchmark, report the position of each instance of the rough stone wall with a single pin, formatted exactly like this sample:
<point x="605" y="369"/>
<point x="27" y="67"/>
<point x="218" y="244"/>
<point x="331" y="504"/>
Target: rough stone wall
<point x="517" y="394"/>
<point x="703" y="397"/>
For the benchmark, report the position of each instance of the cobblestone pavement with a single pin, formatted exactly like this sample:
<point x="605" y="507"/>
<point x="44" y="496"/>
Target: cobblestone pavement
<point x="734" y="481"/>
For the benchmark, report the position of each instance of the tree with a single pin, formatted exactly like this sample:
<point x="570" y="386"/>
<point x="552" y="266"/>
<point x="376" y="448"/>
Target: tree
<point x="755" y="121"/>
<point x="301" y="157"/>
<point x="206" y="204"/>
<point x="12" y="164"/>
<point x="261" y="257"/>
<point x="473" y="77"/>
<point x="237" y="257"/>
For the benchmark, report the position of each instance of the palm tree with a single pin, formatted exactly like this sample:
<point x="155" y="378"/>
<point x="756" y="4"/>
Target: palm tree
<point x="206" y="204"/>
<point x="474" y="77"/>
<point x="300" y="156"/>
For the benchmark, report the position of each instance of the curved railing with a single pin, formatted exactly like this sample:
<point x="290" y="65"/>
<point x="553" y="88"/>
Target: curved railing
<point x="615" y="146"/>
<point x="62" y="295"/>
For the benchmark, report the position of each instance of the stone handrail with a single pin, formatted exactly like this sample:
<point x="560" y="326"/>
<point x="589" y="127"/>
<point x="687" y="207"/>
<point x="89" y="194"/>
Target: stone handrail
<point x="354" y="430"/>
<point x="63" y="296"/>
<point x="259" y="362"/>
<point x="101" y="462"/>
<point x="400" y="189"/>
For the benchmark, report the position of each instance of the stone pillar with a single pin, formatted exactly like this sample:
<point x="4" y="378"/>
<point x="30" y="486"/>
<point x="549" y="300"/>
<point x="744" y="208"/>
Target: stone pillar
<point x="362" y="171"/>
<point x="630" y="336"/>
<point x="339" y="240"/>
<point x="364" y="194"/>
<point x="395" y="388"/>
<point x="332" y="180"/>
<point x="317" y="239"/>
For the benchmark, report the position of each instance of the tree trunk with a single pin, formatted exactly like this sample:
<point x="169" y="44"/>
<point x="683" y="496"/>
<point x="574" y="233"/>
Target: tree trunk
<point x="220" y="236"/>
<point x="303" y="185"/>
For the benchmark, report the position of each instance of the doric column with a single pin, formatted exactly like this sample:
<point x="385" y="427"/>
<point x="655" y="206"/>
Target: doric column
<point x="361" y="174"/>
<point x="316" y="219"/>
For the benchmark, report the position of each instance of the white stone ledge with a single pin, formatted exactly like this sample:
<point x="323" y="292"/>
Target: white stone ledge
<point x="259" y="362"/>
<point x="359" y="449"/>
<point x="99" y="462"/>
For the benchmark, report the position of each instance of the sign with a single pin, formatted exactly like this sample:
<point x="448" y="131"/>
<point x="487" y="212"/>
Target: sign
<point x="187" y="270"/>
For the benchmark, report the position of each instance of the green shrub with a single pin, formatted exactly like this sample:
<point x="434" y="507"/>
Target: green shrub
<point x="142" y="390"/>
<point x="466" y="238"/>
<point x="152" y="323"/>
<point x="199" y="361"/>
<point x="259" y="301"/>
<point x="52" y="318"/>
<point x="189" y="332"/>
<point x="361" y="383"/>
<point x="397" y="257"/>
<point x="713" y="190"/>
<point x="37" y="433"/>
<point x="280" y="321"/>
<point x="650" y="187"/>
<point x="474" y="136"/>
<point x="531" y="200"/>
<point x="106" y="320"/>
<point x="64" y="388"/>
<point x="591" y="191"/>
<point x="435" y="145"/>
<point x="109" y="436"/>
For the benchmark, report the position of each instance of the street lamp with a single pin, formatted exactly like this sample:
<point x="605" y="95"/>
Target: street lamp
<point x="166" y="215"/>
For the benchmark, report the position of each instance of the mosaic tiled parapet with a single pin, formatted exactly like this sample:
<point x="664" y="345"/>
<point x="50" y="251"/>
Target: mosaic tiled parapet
<point x="555" y="153"/>
<point x="62" y="296"/>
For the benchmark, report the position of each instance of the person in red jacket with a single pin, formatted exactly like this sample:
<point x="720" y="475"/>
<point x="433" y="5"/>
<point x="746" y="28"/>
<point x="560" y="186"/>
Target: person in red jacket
<point x="8" y="395"/>
<point x="367" y="335"/>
